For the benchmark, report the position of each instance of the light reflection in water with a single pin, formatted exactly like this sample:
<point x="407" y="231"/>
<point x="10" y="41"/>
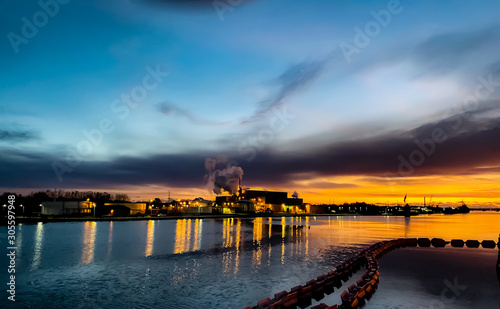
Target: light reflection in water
<point x="283" y="224"/>
<point x="307" y="235"/>
<point x="151" y="238"/>
<point x="197" y="234"/>
<point x="270" y="247"/>
<point x="38" y="246"/>
<point x="110" y="239"/>
<point x="180" y="234"/>
<point x="19" y="239"/>
<point x="89" y="230"/>
<point x="228" y="239"/>
<point x="257" y="237"/>
<point x="183" y="240"/>
<point x="239" y="236"/>
<point x="187" y="240"/>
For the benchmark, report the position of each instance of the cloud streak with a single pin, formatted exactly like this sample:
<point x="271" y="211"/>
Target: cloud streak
<point x="292" y="81"/>
<point x="13" y="136"/>
<point x="170" y="109"/>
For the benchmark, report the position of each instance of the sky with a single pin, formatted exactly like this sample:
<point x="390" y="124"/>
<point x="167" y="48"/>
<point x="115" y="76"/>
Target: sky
<point x="340" y="101"/>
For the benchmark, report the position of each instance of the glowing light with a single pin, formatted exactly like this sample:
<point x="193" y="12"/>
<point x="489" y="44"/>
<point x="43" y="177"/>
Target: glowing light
<point x="197" y="234"/>
<point x="89" y="231"/>
<point x="180" y="234"/>
<point x="38" y="246"/>
<point x="110" y="238"/>
<point x="150" y="238"/>
<point x="257" y="237"/>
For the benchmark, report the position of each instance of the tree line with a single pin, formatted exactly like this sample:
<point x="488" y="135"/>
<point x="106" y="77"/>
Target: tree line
<point x="31" y="202"/>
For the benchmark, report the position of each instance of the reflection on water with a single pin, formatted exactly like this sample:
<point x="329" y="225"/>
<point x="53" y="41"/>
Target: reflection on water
<point x="150" y="238"/>
<point x="283" y="226"/>
<point x="110" y="239"/>
<point x="19" y="239"/>
<point x="224" y="262"/>
<point x="239" y="236"/>
<point x="89" y="231"/>
<point x="38" y="246"/>
<point x="183" y="240"/>
<point x="197" y="234"/>
<point x="257" y="237"/>
<point x="231" y="234"/>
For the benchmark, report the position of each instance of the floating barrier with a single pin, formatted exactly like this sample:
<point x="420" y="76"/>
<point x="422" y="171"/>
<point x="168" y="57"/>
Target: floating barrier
<point x="490" y="244"/>
<point x="472" y="244"/>
<point x="356" y="294"/>
<point x="457" y="243"/>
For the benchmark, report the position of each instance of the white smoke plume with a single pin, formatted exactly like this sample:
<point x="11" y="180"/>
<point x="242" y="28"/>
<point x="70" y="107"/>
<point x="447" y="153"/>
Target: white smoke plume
<point x="222" y="175"/>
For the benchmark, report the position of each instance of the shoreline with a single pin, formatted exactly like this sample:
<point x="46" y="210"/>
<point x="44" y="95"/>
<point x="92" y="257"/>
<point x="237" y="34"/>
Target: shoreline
<point x="33" y="220"/>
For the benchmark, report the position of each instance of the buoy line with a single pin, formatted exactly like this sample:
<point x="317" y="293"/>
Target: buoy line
<point x="356" y="294"/>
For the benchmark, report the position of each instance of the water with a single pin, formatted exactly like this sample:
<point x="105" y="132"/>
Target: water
<point x="195" y="263"/>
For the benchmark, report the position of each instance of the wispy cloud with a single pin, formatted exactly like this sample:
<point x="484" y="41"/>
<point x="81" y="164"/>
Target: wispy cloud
<point x="187" y="4"/>
<point x="292" y="81"/>
<point x="170" y="109"/>
<point x="13" y="136"/>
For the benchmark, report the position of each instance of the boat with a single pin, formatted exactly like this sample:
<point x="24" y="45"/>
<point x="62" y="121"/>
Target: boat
<point x="458" y="210"/>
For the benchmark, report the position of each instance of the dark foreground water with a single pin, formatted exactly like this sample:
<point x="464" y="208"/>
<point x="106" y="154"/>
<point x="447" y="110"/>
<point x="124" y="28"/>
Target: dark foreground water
<point x="233" y="263"/>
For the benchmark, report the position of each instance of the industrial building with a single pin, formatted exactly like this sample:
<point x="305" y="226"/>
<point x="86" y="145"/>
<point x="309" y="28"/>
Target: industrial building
<point x="71" y="208"/>
<point x="262" y="201"/>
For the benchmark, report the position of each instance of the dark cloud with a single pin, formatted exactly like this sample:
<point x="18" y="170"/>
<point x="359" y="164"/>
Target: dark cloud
<point x="7" y="135"/>
<point x="470" y="147"/>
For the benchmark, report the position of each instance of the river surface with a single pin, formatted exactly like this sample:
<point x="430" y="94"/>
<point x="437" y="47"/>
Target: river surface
<point x="209" y="263"/>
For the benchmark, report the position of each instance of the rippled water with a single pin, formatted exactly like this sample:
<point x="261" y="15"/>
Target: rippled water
<point x="194" y="263"/>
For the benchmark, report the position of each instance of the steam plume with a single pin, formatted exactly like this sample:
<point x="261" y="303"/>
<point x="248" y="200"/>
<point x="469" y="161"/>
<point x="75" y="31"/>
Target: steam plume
<point x="222" y="176"/>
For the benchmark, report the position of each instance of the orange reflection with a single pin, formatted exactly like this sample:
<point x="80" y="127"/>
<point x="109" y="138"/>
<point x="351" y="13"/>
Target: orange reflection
<point x="257" y="237"/>
<point x="184" y="229"/>
<point x="227" y="238"/>
<point x="283" y="225"/>
<point x="227" y="226"/>
<point x="238" y="240"/>
<point x="307" y="235"/>
<point x="270" y="247"/>
<point x="180" y="236"/>
<point x="89" y="230"/>
<point x="197" y="234"/>
<point x="151" y="238"/>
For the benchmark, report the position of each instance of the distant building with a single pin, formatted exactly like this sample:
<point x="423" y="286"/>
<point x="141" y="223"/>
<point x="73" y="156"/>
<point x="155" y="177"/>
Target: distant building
<point x="135" y="208"/>
<point x="262" y="201"/>
<point x="71" y="208"/>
